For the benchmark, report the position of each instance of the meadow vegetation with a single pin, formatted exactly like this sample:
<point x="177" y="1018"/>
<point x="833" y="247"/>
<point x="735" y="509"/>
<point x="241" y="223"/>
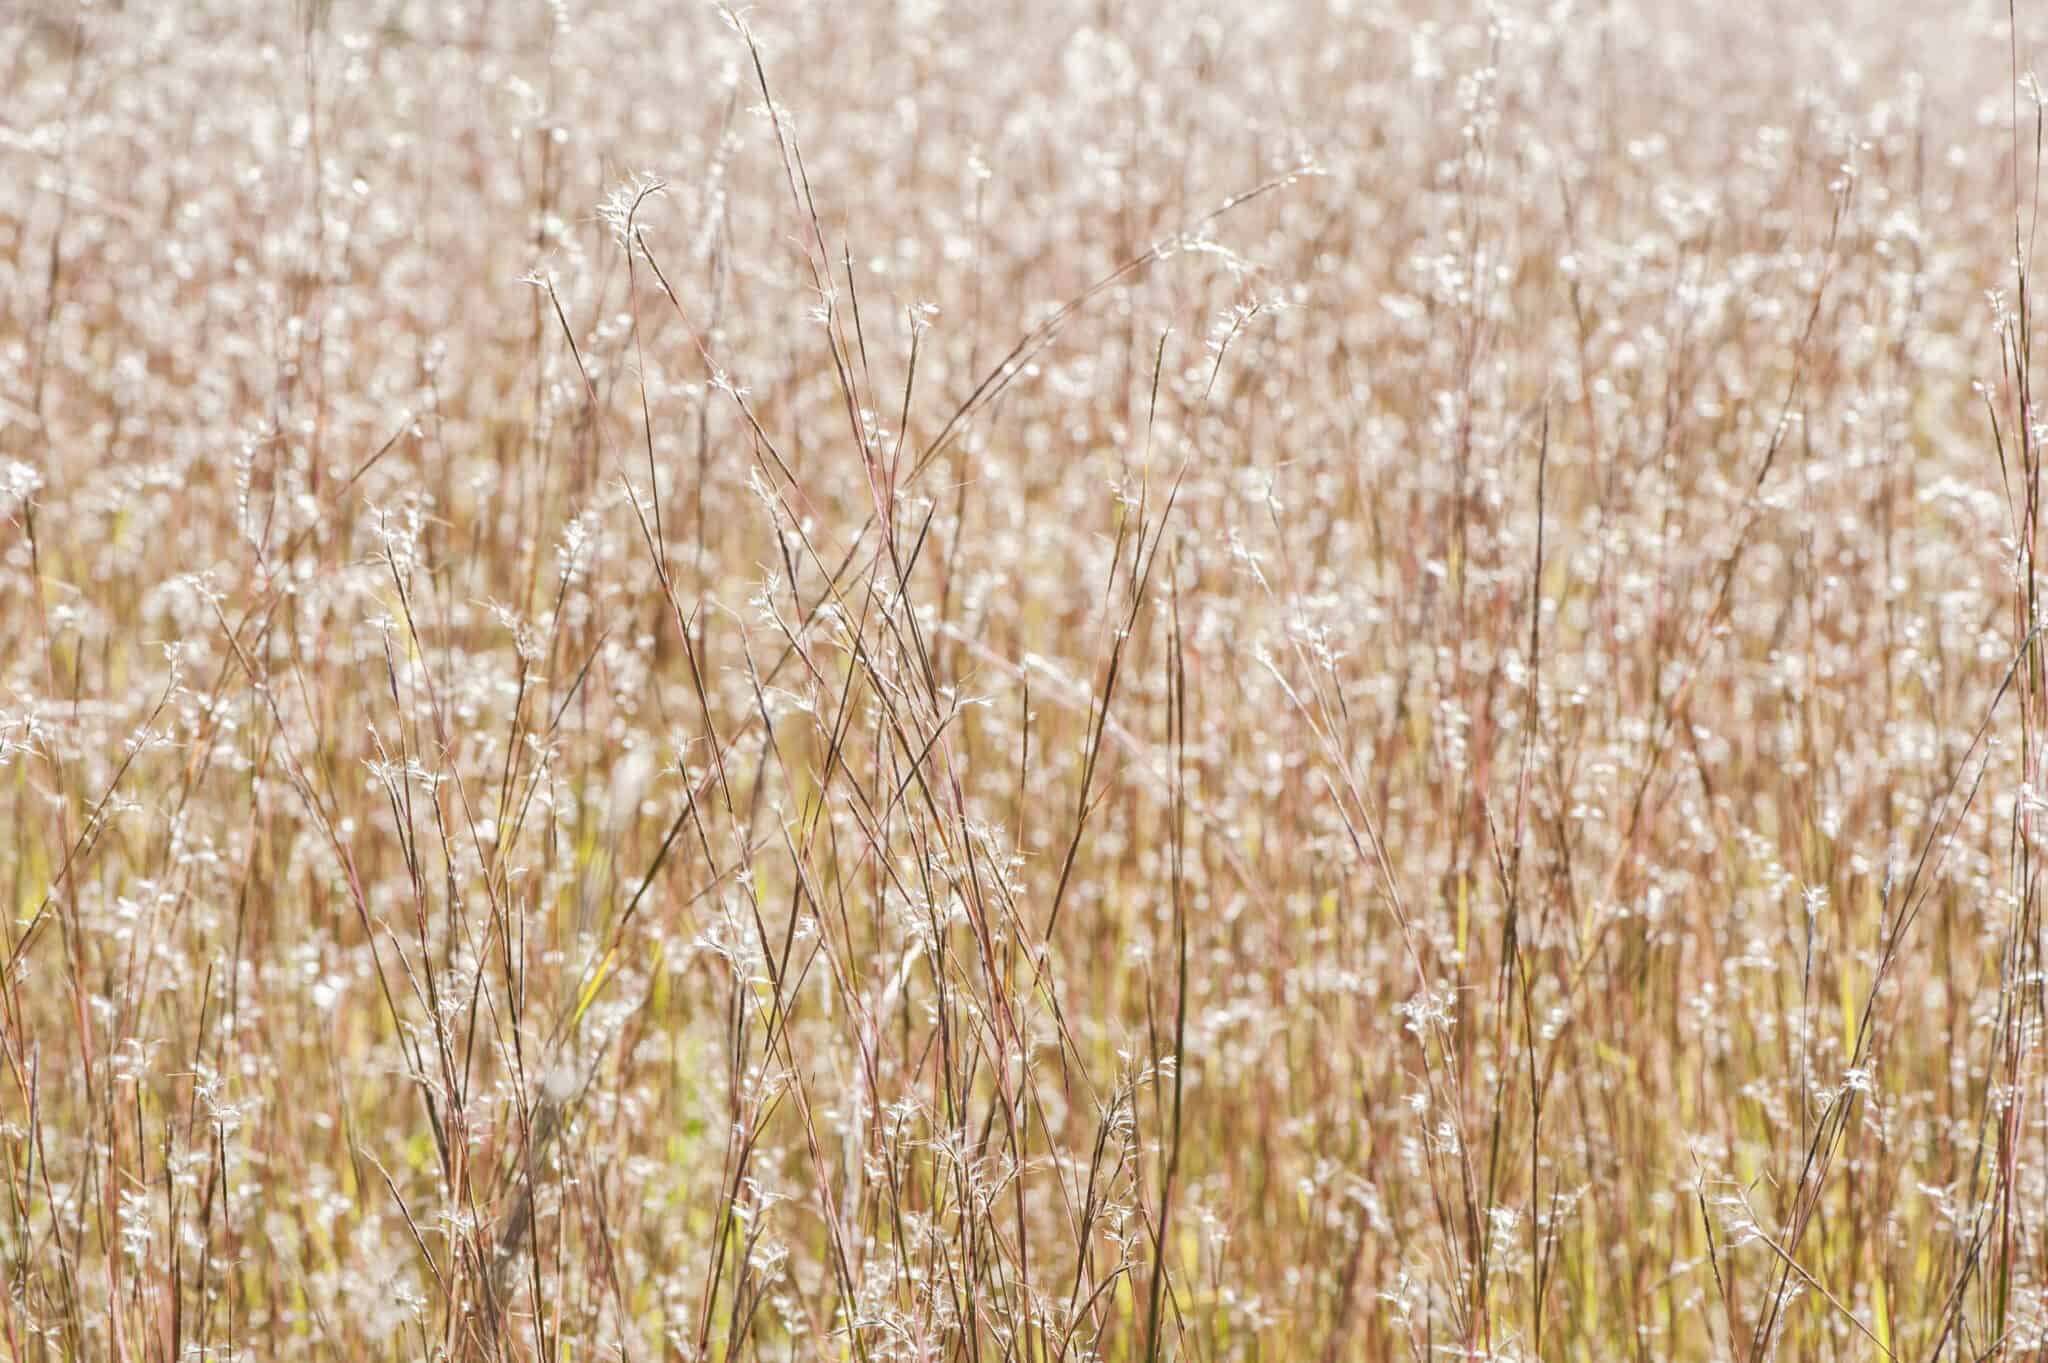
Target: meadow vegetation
<point x="889" y="680"/>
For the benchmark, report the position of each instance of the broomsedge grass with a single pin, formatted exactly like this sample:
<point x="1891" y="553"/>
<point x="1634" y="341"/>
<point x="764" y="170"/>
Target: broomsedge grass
<point x="892" y="682"/>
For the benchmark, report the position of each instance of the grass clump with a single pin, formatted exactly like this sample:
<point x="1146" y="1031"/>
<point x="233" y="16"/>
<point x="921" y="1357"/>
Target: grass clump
<point x="895" y="682"/>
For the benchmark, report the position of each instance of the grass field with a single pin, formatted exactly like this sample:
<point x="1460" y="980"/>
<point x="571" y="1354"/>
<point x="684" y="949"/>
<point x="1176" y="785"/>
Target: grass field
<point x="898" y="681"/>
